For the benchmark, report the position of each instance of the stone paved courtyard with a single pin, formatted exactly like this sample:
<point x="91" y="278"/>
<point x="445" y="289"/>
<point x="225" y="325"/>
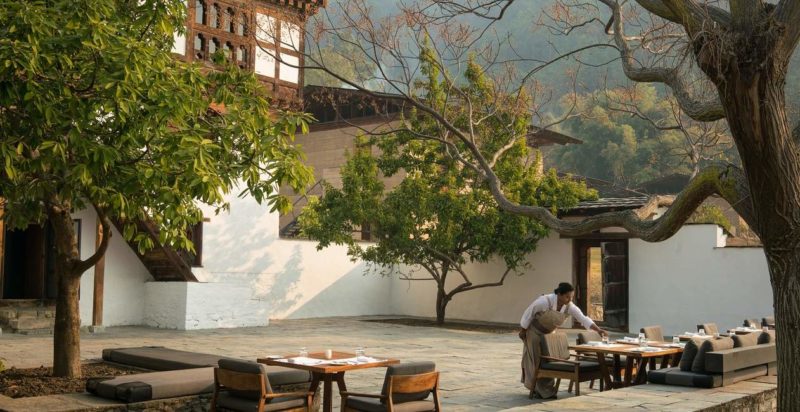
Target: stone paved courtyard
<point x="480" y="370"/>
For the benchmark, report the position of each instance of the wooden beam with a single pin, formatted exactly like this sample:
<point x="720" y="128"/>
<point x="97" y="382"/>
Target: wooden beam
<point x="99" y="280"/>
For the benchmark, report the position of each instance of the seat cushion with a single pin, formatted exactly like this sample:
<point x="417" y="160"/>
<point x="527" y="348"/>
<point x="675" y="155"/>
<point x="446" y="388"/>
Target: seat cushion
<point x="743" y="341"/>
<point x="689" y="353"/>
<point x="228" y="401"/>
<point x="584" y="366"/>
<point x="375" y="405"/>
<point x="155" y="385"/>
<point x="710" y="345"/>
<point x="159" y="358"/>
<point x="675" y="376"/>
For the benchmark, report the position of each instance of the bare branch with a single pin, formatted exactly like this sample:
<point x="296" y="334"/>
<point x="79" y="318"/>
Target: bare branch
<point x="701" y="110"/>
<point x="465" y="286"/>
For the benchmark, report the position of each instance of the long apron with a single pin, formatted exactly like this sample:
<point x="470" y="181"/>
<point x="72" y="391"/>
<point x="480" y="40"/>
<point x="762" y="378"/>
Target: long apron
<point x="531" y="351"/>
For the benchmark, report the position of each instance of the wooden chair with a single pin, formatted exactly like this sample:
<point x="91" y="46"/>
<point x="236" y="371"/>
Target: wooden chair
<point x="752" y="323"/>
<point x="653" y="332"/>
<point x="555" y="363"/>
<point x="406" y="387"/>
<point x="768" y="321"/>
<point x="709" y="328"/>
<point x="241" y="385"/>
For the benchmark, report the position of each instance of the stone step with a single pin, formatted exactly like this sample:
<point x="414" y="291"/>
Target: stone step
<point x="29" y="324"/>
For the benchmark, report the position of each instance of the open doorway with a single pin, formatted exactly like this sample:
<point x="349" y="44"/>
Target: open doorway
<point x="602" y="281"/>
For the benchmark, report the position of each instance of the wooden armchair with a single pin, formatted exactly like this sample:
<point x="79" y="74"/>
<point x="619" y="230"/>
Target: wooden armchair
<point x="406" y="387"/>
<point x="709" y="328"/>
<point x="556" y="363"/>
<point x="241" y="385"/>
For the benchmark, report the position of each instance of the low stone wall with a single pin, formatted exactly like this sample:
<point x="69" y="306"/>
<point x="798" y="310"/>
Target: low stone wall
<point x="766" y="401"/>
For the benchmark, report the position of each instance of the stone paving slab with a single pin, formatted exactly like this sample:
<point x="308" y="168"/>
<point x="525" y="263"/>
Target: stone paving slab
<point x="480" y="370"/>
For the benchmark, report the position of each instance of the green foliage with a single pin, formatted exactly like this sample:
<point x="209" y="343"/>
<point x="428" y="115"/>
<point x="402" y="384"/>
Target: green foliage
<point x="442" y="215"/>
<point x="95" y="110"/>
<point x="711" y="214"/>
<point x="628" y="150"/>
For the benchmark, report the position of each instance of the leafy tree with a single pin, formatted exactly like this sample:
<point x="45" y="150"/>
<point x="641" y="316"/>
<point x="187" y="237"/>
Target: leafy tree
<point x="440" y="217"/>
<point x="96" y="112"/>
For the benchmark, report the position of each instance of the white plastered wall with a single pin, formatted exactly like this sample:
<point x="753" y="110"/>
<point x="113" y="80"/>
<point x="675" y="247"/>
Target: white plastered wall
<point x="124" y="279"/>
<point x="688" y="279"/>
<point x="550" y="264"/>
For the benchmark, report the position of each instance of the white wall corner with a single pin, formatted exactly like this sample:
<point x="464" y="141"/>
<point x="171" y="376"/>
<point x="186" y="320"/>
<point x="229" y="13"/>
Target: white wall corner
<point x="722" y="238"/>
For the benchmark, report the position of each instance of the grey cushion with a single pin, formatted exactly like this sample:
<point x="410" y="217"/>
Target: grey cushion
<point x="375" y="405"/>
<point x="228" y="401"/>
<point x="728" y="360"/>
<point x="584" y="366"/>
<point x="766" y="337"/>
<point x="675" y="376"/>
<point x="653" y="332"/>
<point x="689" y="353"/>
<point x="555" y="345"/>
<point x="709" y="328"/>
<point x="588" y="336"/>
<point x="409" y="368"/>
<point x="710" y="345"/>
<point x="155" y="385"/>
<point x="159" y="358"/>
<point x="743" y="341"/>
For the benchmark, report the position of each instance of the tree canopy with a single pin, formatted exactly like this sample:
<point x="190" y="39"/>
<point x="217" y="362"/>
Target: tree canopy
<point x="95" y="111"/>
<point x="441" y="216"/>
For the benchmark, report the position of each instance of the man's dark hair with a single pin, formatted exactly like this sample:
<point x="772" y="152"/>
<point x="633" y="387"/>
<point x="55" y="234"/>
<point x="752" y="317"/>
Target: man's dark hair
<point x="563" y="288"/>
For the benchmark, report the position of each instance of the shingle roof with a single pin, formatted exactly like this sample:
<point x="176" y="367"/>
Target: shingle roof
<point x="606" y="204"/>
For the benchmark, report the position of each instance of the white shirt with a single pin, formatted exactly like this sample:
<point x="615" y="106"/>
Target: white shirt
<point x="545" y="302"/>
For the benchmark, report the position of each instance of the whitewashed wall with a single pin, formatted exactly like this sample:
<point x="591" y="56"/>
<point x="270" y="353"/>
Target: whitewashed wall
<point x="125" y="277"/>
<point x="688" y="279"/>
<point x="190" y="305"/>
<point x="551" y="263"/>
<point x="291" y="276"/>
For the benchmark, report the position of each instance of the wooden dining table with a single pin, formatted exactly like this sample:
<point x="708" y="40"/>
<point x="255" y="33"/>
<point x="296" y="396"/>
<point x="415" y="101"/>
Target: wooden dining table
<point x="635" y="358"/>
<point x="328" y="370"/>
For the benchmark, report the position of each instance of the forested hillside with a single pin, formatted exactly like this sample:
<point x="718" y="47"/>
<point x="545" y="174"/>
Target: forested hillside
<point x="631" y="133"/>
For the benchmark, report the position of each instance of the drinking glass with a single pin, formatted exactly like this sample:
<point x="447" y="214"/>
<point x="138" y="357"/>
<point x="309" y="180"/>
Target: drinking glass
<point x="701" y="332"/>
<point x="642" y="339"/>
<point x="676" y="340"/>
<point x="303" y="352"/>
<point x="605" y="339"/>
<point x="360" y="353"/>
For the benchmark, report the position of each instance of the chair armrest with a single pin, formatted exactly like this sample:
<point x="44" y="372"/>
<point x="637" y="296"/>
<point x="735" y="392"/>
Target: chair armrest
<point x="362" y="395"/>
<point x="586" y="358"/>
<point x="560" y="360"/>
<point x="287" y="394"/>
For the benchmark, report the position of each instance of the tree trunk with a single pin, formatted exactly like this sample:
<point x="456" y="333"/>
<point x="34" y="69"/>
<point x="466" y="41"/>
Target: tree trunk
<point x="66" y="337"/>
<point x="66" y="334"/>
<point x="441" y="305"/>
<point x="752" y="91"/>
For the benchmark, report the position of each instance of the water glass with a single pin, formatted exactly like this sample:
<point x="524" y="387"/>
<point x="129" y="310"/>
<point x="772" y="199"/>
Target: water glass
<point x="605" y="339"/>
<point x="701" y="332"/>
<point x="360" y="353"/>
<point x="642" y="339"/>
<point x="303" y="352"/>
<point x="676" y="340"/>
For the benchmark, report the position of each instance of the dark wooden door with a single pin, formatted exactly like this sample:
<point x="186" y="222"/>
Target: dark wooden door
<point x="615" y="284"/>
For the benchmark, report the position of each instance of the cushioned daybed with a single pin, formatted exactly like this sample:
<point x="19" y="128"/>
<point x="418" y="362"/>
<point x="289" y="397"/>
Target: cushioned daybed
<point x="180" y="373"/>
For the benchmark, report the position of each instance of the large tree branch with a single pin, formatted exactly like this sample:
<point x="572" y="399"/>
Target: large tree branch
<point x="698" y="109"/>
<point x="666" y="10"/>
<point x="105" y="223"/>
<point x="722" y="181"/>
